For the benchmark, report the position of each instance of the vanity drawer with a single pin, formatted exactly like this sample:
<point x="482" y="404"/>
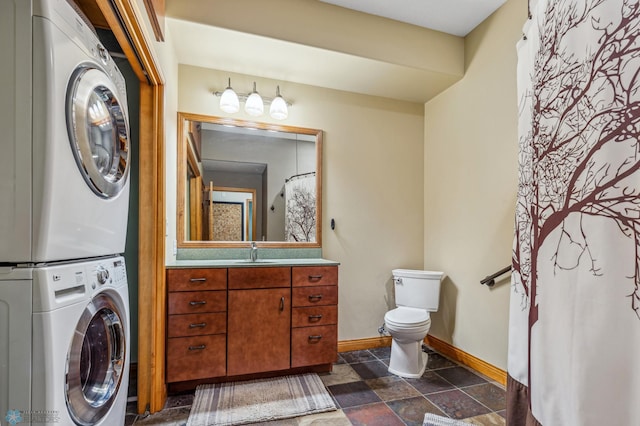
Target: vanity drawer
<point x="314" y="345"/>
<point x="311" y="296"/>
<point x="191" y="302"/>
<point x="199" y="357"/>
<point x="314" y="316"/>
<point x="196" y="279"/>
<point x="259" y="277"/>
<point x="197" y="324"/>
<point x="314" y="275"/>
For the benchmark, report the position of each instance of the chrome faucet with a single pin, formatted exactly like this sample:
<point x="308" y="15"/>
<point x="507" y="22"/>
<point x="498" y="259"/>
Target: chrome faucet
<point x="254" y="251"/>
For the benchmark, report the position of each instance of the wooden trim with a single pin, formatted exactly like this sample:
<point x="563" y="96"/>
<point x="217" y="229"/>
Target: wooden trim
<point x="181" y="171"/>
<point x="155" y="10"/>
<point x="158" y="388"/>
<point x="440" y="346"/>
<point x="467" y="359"/>
<point x="195" y="206"/>
<point x="123" y="21"/>
<point x="319" y="160"/>
<point x="363" y="344"/>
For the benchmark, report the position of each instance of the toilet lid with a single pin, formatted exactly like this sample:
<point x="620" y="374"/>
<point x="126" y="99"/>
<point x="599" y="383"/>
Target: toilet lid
<point x="407" y="316"/>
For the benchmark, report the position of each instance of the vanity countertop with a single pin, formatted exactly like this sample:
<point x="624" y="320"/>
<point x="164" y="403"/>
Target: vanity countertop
<point x="243" y="263"/>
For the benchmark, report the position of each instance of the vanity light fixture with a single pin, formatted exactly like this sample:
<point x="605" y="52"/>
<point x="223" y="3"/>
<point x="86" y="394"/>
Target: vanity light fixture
<point x="253" y="102"/>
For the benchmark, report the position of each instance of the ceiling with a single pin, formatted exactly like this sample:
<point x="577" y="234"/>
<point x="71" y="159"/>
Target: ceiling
<point x="392" y="49"/>
<point x="457" y="17"/>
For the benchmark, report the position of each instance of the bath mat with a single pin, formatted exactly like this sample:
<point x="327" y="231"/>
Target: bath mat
<point x="260" y="400"/>
<point x="433" y="420"/>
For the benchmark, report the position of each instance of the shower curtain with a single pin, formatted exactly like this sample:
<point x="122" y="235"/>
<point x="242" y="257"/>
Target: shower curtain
<point x="300" y="215"/>
<point x="574" y="334"/>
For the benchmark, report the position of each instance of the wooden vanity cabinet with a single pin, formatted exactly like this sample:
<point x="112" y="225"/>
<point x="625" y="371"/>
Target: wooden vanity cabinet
<point x="196" y="324"/>
<point x="259" y="326"/>
<point x="239" y="321"/>
<point x="314" y="334"/>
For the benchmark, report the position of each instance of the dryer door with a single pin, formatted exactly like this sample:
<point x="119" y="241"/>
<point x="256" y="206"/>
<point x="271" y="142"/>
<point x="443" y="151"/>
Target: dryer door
<point x="98" y="130"/>
<point x="96" y="360"/>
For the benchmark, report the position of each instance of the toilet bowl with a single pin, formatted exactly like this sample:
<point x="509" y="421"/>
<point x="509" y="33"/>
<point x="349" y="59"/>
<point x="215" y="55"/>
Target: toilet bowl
<point x="408" y="327"/>
<point x="417" y="294"/>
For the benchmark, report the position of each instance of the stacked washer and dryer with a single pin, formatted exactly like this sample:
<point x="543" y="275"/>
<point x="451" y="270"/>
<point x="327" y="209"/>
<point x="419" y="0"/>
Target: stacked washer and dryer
<point x="64" y="198"/>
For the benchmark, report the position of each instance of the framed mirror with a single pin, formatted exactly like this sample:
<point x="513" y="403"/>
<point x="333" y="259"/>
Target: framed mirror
<point x="241" y="181"/>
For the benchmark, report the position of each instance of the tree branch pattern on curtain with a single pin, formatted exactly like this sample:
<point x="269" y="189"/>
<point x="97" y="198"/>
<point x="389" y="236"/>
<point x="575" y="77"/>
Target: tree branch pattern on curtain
<point x="579" y="101"/>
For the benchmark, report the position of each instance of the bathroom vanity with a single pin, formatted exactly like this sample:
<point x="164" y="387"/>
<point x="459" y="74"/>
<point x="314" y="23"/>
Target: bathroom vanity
<point x="228" y="319"/>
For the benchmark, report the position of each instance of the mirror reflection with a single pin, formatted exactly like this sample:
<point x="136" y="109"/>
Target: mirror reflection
<point x="244" y="181"/>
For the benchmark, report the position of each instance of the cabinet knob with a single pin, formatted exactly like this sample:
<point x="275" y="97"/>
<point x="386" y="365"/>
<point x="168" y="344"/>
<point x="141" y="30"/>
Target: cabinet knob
<point x="282" y="304"/>
<point x="197" y="348"/>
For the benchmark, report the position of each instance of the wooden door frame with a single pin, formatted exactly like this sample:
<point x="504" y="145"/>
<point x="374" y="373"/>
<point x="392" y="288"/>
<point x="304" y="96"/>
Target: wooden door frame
<point x="128" y="30"/>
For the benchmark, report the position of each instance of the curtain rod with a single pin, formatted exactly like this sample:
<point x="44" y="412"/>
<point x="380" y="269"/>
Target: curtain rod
<point x="300" y="175"/>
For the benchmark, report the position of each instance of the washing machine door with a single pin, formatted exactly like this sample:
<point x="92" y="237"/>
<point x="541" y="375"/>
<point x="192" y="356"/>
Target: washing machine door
<point x="98" y="130"/>
<point x="96" y="360"/>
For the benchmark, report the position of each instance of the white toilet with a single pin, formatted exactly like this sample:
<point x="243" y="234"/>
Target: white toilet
<point x="417" y="293"/>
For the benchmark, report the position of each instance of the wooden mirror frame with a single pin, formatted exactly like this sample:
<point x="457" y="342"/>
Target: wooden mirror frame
<point x="186" y="157"/>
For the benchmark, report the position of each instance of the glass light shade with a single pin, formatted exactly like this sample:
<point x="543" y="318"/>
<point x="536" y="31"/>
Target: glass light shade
<point x="278" y="109"/>
<point x="229" y="101"/>
<point x="254" y="106"/>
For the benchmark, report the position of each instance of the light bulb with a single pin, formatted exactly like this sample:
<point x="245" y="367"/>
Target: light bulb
<point x="278" y="109"/>
<point x="229" y="101"/>
<point x="254" y="105"/>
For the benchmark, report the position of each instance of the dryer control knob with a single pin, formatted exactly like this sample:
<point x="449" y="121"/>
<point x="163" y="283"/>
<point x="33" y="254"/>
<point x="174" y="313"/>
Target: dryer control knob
<point x="102" y="274"/>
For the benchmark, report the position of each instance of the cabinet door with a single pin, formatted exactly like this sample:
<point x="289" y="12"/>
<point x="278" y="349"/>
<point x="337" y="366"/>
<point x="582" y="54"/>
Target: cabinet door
<point x="258" y="330"/>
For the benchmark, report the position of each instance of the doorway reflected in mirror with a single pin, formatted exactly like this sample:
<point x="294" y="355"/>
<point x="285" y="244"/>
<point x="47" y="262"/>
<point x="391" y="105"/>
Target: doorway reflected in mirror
<point x="248" y="181"/>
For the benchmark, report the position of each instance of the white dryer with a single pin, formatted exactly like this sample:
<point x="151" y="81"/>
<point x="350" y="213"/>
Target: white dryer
<point x="64" y="168"/>
<point x="65" y="341"/>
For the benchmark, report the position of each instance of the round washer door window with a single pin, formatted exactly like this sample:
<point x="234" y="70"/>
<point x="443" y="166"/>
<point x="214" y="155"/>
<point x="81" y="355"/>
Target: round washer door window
<point x="98" y="130"/>
<point x="96" y="360"/>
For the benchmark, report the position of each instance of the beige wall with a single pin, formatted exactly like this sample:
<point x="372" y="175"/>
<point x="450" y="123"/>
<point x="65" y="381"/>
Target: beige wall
<point x="408" y="188"/>
<point x="372" y="182"/>
<point x="470" y="188"/>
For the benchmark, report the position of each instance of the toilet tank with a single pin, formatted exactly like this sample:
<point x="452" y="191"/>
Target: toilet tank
<point x="417" y="289"/>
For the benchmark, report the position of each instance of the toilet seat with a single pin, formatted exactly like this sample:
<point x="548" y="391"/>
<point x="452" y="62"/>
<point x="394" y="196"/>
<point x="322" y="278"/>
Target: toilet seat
<point x="407" y="318"/>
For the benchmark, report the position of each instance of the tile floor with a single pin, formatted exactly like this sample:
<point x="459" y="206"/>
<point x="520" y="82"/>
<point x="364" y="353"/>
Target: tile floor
<point x="367" y="394"/>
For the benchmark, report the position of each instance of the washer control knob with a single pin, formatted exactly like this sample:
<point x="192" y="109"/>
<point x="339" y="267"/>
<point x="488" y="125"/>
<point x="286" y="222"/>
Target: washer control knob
<point x="102" y="53"/>
<point x="102" y="274"/>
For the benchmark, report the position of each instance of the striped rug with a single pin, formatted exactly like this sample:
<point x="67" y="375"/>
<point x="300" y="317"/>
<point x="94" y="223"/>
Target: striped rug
<point x="238" y="403"/>
<point x="434" y="420"/>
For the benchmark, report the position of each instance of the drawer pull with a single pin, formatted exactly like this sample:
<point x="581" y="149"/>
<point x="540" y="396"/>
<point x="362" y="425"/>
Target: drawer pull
<point x="197" y="348"/>
<point x="198" y="325"/>
<point x="313" y="297"/>
<point x="315" y="317"/>
<point x="197" y="280"/>
<point x="315" y="277"/>
<point x="199" y="302"/>
<point x="282" y="304"/>
<point x="315" y="337"/>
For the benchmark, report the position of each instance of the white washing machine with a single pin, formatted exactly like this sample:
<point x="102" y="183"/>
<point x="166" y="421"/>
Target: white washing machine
<point x="64" y="343"/>
<point x="64" y="168"/>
